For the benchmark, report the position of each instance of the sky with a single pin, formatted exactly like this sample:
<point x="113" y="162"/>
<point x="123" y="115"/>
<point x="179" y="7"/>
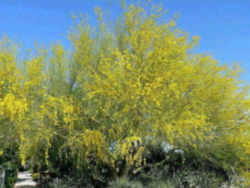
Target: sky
<point x="223" y="25"/>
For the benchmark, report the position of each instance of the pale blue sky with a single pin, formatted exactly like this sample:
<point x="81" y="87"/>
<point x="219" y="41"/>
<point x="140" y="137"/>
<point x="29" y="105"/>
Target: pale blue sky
<point x="223" y="25"/>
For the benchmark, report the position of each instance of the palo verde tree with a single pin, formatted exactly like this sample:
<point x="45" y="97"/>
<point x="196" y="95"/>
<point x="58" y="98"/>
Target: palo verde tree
<point x="140" y="82"/>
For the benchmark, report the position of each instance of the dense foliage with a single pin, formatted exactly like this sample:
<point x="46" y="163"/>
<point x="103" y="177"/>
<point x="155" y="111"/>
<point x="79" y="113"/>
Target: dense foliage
<point x="89" y="113"/>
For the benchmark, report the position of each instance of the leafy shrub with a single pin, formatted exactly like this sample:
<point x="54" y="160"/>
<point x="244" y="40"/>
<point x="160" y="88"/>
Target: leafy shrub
<point x="11" y="170"/>
<point x="10" y="163"/>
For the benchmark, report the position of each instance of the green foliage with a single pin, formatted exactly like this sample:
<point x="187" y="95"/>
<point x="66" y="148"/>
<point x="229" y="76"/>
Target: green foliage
<point x="10" y="163"/>
<point x="10" y="174"/>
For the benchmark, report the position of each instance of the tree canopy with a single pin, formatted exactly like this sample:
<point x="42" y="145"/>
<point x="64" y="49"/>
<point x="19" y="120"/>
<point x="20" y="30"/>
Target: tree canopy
<point x="140" y="81"/>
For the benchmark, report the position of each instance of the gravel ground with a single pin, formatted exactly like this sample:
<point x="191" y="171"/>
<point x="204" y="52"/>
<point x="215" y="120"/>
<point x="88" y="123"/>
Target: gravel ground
<point x="24" y="180"/>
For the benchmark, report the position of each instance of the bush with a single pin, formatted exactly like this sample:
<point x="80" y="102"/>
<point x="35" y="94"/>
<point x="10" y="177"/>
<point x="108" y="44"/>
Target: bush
<point x="11" y="170"/>
<point x="10" y="163"/>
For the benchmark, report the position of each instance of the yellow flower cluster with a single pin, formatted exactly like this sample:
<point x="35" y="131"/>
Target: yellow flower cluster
<point x="132" y="150"/>
<point x="12" y="107"/>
